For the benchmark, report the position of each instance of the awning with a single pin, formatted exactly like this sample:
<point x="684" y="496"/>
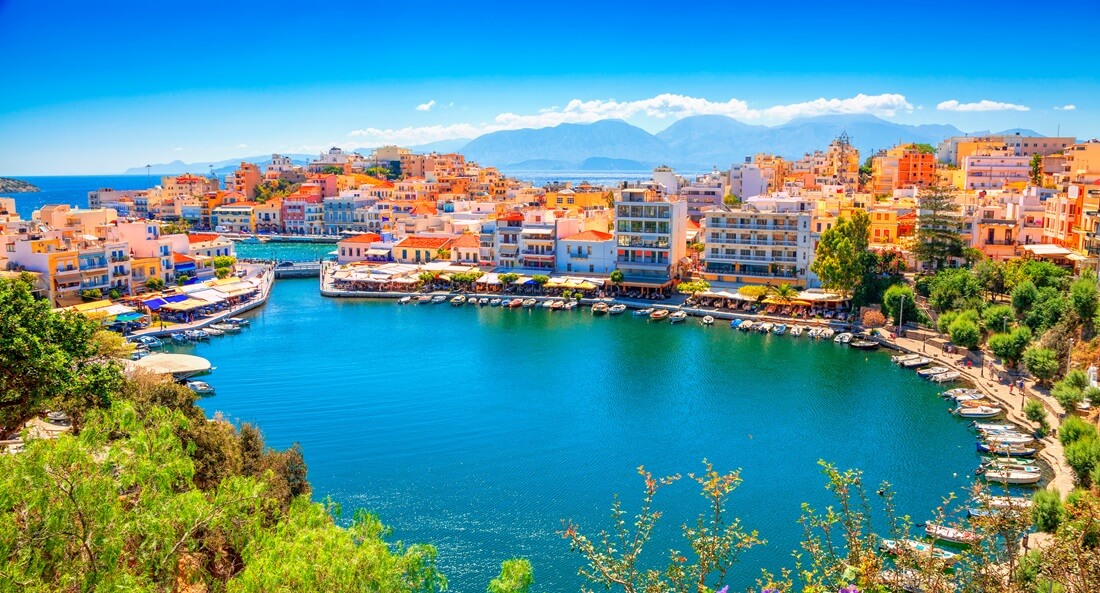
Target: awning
<point x="209" y="295"/>
<point x="92" y="306"/>
<point x="188" y="305"/>
<point x="586" y="286"/>
<point x="489" y="278"/>
<point x="125" y="317"/>
<point x="378" y="252"/>
<point x="154" y="304"/>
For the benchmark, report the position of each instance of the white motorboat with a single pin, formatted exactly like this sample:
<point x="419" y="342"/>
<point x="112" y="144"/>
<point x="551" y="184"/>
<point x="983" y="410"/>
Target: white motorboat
<point x="483" y="301"/>
<point x="494" y="302"/>
<point x="797" y="330"/>
<point x="197" y="334"/>
<point x="900" y="358"/>
<point x="1008" y="464"/>
<point x="677" y="317"/>
<point x="237" y="321"/>
<point x="928" y="372"/>
<point x="458" y="301"/>
<point x="438" y="299"/>
<point x="916" y="363"/>
<point x="150" y="342"/>
<point x="764" y="327"/>
<point x="993" y="426"/>
<point x="945" y="377"/>
<point x="708" y="320"/>
<point x="213" y="331"/>
<point x="200" y="387"/>
<point x="423" y="300"/>
<point x="950" y="534"/>
<point x="978" y="411"/>
<point x="404" y="300"/>
<point x="968" y="397"/>
<point x="599" y="308"/>
<point x="1012" y="476"/>
<point x="815" y="332"/>
<point x="527" y="304"/>
<point x="779" y="329"/>
<point x="225" y="327"/>
<point x="843" y="338"/>
<point x="893" y="547"/>
<point x="747" y="326"/>
<point x="547" y="304"/>
<point x="642" y="312"/>
<point x="616" y="309"/>
<point x="1009" y="438"/>
<point x="1006" y="502"/>
<point x="569" y="305"/>
<point x="826" y="333"/>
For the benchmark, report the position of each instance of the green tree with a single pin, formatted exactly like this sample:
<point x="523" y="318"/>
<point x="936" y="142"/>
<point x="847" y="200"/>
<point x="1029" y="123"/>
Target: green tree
<point x="616" y="278"/>
<point x="220" y="273"/>
<point x="924" y="148"/>
<point x="693" y="288"/>
<point x="1042" y="363"/>
<point x="991" y="275"/>
<point x="183" y="279"/>
<point x="1083" y="456"/>
<point x="1083" y="298"/>
<point x="938" y="235"/>
<point x="901" y="296"/>
<point x="998" y="317"/>
<point x="516" y="576"/>
<point x="1010" y="346"/>
<point x="507" y="278"/>
<point x="954" y="289"/>
<point x="965" y="333"/>
<point x="443" y="253"/>
<point x="224" y="261"/>
<point x="332" y="170"/>
<point x="756" y="291"/>
<point x="1024" y="296"/>
<point x="47" y="359"/>
<point x="839" y="260"/>
<point x="93" y="294"/>
<point x="731" y="200"/>
<point x="429" y="277"/>
<point x="1036" y="169"/>
<point x="1037" y="413"/>
<point x="784" y="293"/>
<point x="154" y="284"/>
<point x="614" y="559"/>
<point x="1047" y="510"/>
<point x="114" y="294"/>
<point x="1047" y="310"/>
<point x="540" y="279"/>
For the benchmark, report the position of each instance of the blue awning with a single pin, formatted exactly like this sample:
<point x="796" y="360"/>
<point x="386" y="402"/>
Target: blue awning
<point x="155" y="304"/>
<point x="175" y="298"/>
<point x="186" y="267"/>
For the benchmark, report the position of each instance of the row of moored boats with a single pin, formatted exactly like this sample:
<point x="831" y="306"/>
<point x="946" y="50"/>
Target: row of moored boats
<point x="935" y="374"/>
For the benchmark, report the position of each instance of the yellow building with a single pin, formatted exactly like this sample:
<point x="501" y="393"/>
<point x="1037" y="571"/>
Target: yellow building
<point x="142" y="269"/>
<point x="56" y="261"/>
<point x="568" y="199"/>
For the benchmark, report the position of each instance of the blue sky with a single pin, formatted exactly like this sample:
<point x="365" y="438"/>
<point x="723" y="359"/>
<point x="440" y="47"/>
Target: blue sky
<point x="99" y="87"/>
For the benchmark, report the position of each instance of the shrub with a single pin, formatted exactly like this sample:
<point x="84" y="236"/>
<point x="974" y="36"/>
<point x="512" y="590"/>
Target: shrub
<point x="897" y="295"/>
<point x="1041" y="362"/>
<point x="1074" y="429"/>
<point x="1010" y="347"/>
<point x="1024" y="296"/>
<point x="1048" y="511"/>
<point x="1083" y="456"/>
<point x="998" y="318"/>
<point x="872" y="318"/>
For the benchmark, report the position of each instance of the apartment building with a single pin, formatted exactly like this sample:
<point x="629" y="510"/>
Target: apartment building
<point x="765" y="240"/>
<point x="650" y="238"/>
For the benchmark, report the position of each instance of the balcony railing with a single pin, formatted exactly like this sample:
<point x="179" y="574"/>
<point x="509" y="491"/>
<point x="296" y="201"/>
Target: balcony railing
<point x="578" y="256"/>
<point x="117" y="259"/>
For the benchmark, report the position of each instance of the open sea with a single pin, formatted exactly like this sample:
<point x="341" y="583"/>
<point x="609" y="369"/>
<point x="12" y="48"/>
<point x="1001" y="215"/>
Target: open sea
<point x="481" y="430"/>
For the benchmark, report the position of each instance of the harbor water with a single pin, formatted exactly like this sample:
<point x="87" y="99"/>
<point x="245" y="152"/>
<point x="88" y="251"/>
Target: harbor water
<point x="480" y="430"/>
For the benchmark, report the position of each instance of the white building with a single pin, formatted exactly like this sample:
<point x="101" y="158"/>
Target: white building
<point x="667" y="177"/>
<point x="747" y="180"/>
<point x="650" y="238"/>
<point x="764" y="241"/>
<point x="587" y="252"/>
<point x="994" y="170"/>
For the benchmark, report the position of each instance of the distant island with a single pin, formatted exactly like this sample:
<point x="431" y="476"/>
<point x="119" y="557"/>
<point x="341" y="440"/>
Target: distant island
<point x="15" y="186"/>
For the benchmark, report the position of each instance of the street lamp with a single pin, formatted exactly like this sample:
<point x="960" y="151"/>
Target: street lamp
<point x="901" y="313"/>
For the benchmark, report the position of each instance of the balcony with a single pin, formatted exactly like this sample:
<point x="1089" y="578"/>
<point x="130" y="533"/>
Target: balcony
<point x="578" y="256"/>
<point x="119" y="258"/>
<point x="67" y="271"/>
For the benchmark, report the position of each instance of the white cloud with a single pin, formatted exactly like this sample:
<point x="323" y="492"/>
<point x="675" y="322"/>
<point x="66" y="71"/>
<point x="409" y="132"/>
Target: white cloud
<point x="426" y="106"/>
<point x="663" y="106"/>
<point x="242" y="146"/>
<point x="1066" y="108"/>
<point x="177" y="149"/>
<point x="983" y="105"/>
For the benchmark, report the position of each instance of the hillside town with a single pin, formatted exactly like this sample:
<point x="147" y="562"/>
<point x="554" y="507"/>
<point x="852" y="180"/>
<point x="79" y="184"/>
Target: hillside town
<point x="758" y="222"/>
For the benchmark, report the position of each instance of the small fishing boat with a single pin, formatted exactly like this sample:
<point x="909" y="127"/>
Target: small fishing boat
<point x="225" y="327"/>
<point x="916" y="363"/>
<point x="797" y="330"/>
<point x="736" y="323"/>
<point x="643" y="312"/>
<point x="404" y="300"/>
<point x="1012" y="476"/>
<point x="677" y="317"/>
<point x="494" y="302"/>
<point x="213" y="331"/>
<point x="557" y="305"/>
<point x="616" y="309"/>
<point x="952" y="393"/>
<point x="978" y="411"/>
<point x="1006" y="502"/>
<point x="968" y="397"/>
<point x="826" y="333"/>
<point x="764" y="327"/>
<point x="1009" y="438"/>
<point x="928" y="372"/>
<point x="237" y="321"/>
<point x="1008" y="464"/>
<point x="945" y="377"/>
<point x="196" y="334"/>
<point x="658" y="315"/>
<point x="815" y="332"/>
<point x="863" y="344"/>
<point x="438" y="299"/>
<point x="1006" y="450"/>
<point x="894" y="546"/>
<point x="992" y="426"/>
<point x="708" y="320"/>
<point x="423" y="300"/>
<point x="547" y="304"/>
<point x="179" y="337"/>
<point x="139" y="354"/>
<point x="600" y="308"/>
<point x="515" y="303"/>
<point x="150" y="342"/>
<point x="747" y="326"/>
<point x="900" y="358"/>
<point x="569" y="305"/>
<point x="843" y="338"/>
<point x="483" y="301"/>
<point x="527" y="304"/>
<point x="950" y="534"/>
<point x="200" y="387"/>
<point x="458" y="301"/>
<point x="779" y="329"/>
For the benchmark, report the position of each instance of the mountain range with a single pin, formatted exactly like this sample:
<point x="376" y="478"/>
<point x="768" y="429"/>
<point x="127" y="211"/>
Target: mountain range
<point x="701" y="141"/>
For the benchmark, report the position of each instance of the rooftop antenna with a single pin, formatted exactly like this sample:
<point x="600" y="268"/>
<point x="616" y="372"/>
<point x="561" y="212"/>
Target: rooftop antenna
<point x="148" y="173"/>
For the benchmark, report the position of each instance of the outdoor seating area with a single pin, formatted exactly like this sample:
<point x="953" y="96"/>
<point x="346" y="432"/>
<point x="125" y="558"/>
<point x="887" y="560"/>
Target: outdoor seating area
<point x="186" y="304"/>
<point x="807" y="305"/>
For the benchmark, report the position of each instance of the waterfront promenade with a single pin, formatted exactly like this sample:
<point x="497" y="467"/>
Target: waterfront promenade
<point x="266" y="277"/>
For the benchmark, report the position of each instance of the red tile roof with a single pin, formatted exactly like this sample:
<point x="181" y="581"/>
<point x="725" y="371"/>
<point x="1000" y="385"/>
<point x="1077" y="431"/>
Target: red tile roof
<point x="692" y="224"/>
<point x="201" y="237"/>
<point x="423" y="209"/>
<point x="467" y="241"/>
<point x="590" y="236"/>
<point x="511" y="216"/>
<point x="424" y="242"/>
<point x="364" y="238"/>
<point x="180" y="258"/>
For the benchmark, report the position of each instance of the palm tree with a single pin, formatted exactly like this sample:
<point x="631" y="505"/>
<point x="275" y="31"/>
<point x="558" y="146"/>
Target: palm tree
<point x="784" y="293"/>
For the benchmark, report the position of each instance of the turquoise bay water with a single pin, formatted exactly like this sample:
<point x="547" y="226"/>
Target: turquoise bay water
<point x="480" y="430"/>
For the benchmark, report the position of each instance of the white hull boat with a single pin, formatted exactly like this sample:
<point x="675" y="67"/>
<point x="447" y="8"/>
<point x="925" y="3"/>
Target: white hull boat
<point x="978" y="411"/>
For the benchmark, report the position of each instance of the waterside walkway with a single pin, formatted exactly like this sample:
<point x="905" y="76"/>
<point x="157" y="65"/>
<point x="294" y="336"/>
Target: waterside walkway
<point x="264" y="274"/>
